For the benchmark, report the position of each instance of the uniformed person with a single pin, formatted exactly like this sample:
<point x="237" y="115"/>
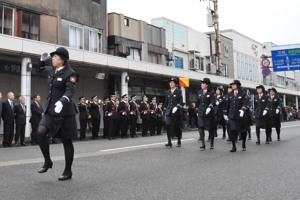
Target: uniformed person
<point x="83" y="114"/>
<point x="94" y="108"/>
<point x="219" y="105"/>
<point x="37" y="112"/>
<point x="105" y="119"/>
<point x="260" y="110"/>
<point x="274" y="110"/>
<point x="235" y="113"/>
<point x="133" y="115"/>
<point x="159" y="121"/>
<point x="206" y="114"/>
<point x="123" y="111"/>
<point x="173" y="106"/>
<point x="153" y="116"/>
<point x="112" y="117"/>
<point x="145" y="115"/>
<point x="59" y="118"/>
<point x="225" y="105"/>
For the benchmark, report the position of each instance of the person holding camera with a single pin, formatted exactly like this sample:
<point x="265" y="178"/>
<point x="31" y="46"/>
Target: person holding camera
<point x="59" y="118"/>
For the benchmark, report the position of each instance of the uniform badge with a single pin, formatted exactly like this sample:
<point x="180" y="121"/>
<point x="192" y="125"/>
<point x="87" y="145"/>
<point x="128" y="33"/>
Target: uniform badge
<point x="73" y="79"/>
<point x="59" y="79"/>
<point x="208" y="95"/>
<point x="174" y="95"/>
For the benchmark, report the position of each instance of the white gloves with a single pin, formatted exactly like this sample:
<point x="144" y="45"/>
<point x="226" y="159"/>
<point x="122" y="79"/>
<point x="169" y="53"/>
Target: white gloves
<point x="58" y="107"/>
<point x="241" y="113"/>
<point x="217" y="103"/>
<point x="277" y="111"/>
<point x="225" y="117"/>
<point x="174" y="110"/>
<point x="265" y="112"/>
<point x="207" y="111"/>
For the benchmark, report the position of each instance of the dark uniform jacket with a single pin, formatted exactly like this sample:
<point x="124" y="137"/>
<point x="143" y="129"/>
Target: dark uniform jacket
<point x="235" y="104"/>
<point x="20" y="114"/>
<point x="173" y="100"/>
<point x="144" y="110"/>
<point x="8" y="113"/>
<point x="159" y="113"/>
<point x="260" y="104"/>
<point x="153" y="110"/>
<point x="36" y="112"/>
<point x="0" y="111"/>
<point x="219" y="109"/>
<point x="273" y="119"/>
<point x="95" y="110"/>
<point x="83" y="112"/>
<point x="61" y="88"/>
<point x="111" y="110"/>
<point x="123" y="110"/>
<point x="133" y="109"/>
<point x="205" y="101"/>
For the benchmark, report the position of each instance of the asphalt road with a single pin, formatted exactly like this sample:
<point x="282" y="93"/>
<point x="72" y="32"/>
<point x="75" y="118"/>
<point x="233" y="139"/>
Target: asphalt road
<point x="142" y="168"/>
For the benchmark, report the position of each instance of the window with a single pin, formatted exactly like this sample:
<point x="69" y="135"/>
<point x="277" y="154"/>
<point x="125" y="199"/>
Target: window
<point x="134" y="54"/>
<point x="178" y="62"/>
<point x="126" y="21"/>
<point x="154" y="58"/>
<point x="76" y="37"/>
<point x="30" y="26"/>
<point x="6" y="20"/>
<point x="224" y="70"/>
<point x="95" y="41"/>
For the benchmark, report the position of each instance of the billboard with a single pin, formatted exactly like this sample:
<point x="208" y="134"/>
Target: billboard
<point x="286" y="59"/>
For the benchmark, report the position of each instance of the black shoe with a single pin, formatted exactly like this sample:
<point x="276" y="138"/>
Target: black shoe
<point x="228" y="140"/>
<point x="244" y="149"/>
<point x="33" y="143"/>
<point x="233" y="150"/>
<point x="267" y="142"/>
<point x="4" y="145"/>
<point x="65" y="177"/>
<point x="278" y="139"/>
<point x="178" y="144"/>
<point x="249" y="138"/>
<point x="258" y="142"/>
<point x="168" y="145"/>
<point x="23" y="144"/>
<point x="223" y="137"/>
<point x="18" y="144"/>
<point x="45" y="167"/>
<point x="212" y="147"/>
<point x="202" y="148"/>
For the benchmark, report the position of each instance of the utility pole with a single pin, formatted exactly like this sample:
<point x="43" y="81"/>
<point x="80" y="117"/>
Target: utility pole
<point x="216" y="26"/>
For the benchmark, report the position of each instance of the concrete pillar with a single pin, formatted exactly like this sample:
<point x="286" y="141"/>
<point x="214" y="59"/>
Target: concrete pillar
<point x="284" y="100"/>
<point x="124" y="83"/>
<point x="26" y="91"/>
<point x="183" y="94"/>
<point x="296" y="100"/>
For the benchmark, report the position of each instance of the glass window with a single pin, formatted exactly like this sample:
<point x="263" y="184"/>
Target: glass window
<point x="30" y="26"/>
<point x="224" y="70"/>
<point x="134" y="54"/>
<point x="6" y="20"/>
<point x="178" y="62"/>
<point x="95" y="41"/>
<point x="75" y="37"/>
<point x="126" y="21"/>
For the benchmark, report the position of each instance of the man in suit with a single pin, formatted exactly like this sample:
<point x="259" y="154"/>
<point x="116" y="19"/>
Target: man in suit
<point x="112" y="117"/>
<point x="82" y="107"/>
<point x="144" y="110"/>
<point x="37" y="112"/>
<point x="123" y="111"/>
<point x="173" y="104"/>
<point x="20" y="117"/>
<point x="153" y="116"/>
<point x="95" y="112"/>
<point x="8" y="116"/>
<point x="0" y="107"/>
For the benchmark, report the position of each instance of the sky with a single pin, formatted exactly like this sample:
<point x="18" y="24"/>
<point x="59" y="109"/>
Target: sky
<point x="276" y="21"/>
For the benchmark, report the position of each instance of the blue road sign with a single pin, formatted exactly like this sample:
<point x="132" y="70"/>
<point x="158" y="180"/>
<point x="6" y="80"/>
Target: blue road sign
<point x="286" y="60"/>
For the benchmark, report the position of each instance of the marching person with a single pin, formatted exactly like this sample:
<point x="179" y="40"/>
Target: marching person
<point x="105" y="118"/>
<point x="59" y="118"/>
<point x="144" y="110"/>
<point x="37" y="112"/>
<point x="159" y="112"/>
<point x="8" y="117"/>
<point x="225" y="105"/>
<point x="20" y="119"/>
<point x="274" y="109"/>
<point x="153" y="116"/>
<point x="112" y="117"/>
<point x="133" y="115"/>
<point x="235" y="114"/>
<point x="260" y="110"/>
<point x="123" y="111"/>
<point x="83" y="115"/>
<point x="206" y="115"/>
<point x="219" y="105"/>
<point x="95" y="113"/>
<point x="173" y="106"/>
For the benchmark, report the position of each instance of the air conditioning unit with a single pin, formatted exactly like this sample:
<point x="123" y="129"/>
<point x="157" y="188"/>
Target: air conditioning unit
<point x="210" y="68"/>
<point x="194" y="64"/>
